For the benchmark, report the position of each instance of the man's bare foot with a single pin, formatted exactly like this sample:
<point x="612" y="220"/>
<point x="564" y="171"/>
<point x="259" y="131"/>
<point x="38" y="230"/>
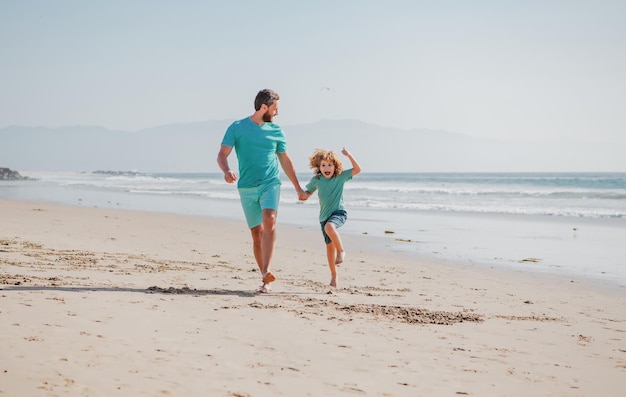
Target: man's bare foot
<point x="340" y="257"/>
<point x="268" y="278"/>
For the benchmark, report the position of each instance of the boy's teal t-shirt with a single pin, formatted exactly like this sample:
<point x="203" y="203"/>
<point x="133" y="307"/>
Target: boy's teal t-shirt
<point x="330" y="192"/>
<point x="256" y="147"/>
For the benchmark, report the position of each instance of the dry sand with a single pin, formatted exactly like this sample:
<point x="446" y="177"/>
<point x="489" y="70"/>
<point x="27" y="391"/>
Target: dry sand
<point x="101" y="302"/>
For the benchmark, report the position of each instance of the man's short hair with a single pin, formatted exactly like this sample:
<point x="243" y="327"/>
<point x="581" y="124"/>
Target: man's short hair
<point x="265" y="97"/>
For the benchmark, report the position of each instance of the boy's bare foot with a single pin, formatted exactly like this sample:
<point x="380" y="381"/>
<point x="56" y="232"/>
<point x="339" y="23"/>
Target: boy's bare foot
<point x="268" y="278"/>
<point x="340" y="257"/>
<point x="263" y="289"/>
<point x="333" y="282"/>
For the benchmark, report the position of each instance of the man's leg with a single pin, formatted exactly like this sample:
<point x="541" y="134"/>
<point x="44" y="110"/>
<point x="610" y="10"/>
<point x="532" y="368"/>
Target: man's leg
<point x="254" y="218"/>
<point x="257" y="233"/>
<point x="268" y="240"/>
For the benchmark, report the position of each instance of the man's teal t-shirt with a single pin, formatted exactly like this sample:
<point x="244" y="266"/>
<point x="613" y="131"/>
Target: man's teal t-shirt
<point x="256" y="147"/>
<point x="330" y="192"/>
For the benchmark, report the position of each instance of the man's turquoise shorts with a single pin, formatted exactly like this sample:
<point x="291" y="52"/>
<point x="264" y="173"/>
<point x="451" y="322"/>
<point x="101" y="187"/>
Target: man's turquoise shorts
<point x="258" y="198"/>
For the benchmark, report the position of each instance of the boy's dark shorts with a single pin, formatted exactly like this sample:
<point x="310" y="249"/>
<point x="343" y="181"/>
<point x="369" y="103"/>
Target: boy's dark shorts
<point x="338" y="218"/>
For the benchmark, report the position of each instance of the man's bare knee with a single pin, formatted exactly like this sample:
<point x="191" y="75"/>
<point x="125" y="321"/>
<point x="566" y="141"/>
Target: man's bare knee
<point x="257" y="232"/>
<point x="269" y="217"/>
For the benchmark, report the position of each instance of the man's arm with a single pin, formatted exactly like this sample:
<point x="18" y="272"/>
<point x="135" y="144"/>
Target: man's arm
<point x="222" y="162"/>
<point x="290" y="171"/>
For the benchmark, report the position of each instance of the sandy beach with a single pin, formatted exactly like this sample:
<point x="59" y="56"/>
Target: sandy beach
<point x="101" y="302"/>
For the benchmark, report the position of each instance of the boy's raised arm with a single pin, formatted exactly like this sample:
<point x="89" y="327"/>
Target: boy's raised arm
<point x="356" y="168"/>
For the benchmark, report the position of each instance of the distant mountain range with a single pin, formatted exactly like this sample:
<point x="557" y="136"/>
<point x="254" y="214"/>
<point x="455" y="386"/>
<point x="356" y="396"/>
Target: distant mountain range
<point x="193" y="147"/>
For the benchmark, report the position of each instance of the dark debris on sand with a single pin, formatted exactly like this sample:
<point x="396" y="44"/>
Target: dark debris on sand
<point x="413" y="315"/>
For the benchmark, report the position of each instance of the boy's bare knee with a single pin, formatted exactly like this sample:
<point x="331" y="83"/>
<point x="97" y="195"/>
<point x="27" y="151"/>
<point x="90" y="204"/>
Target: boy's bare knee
<point x="329" y="227"/>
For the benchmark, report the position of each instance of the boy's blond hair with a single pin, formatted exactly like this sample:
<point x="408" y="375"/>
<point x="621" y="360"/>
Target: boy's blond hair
<point x="315" y="160"/>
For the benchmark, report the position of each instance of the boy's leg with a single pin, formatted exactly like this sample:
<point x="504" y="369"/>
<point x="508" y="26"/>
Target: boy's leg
<point x="331" y="255"/>
<point x="332" y="232"/>
<point x="335" y="221"/>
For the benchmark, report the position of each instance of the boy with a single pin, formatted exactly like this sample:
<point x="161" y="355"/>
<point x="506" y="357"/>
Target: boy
<point x="328" y="181"/>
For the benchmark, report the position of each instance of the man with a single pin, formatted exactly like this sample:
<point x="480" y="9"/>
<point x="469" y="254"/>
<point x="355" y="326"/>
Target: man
<point x="260" y="145"/>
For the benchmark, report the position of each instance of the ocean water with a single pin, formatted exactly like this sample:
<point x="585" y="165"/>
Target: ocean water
<point x="569" y="224"/>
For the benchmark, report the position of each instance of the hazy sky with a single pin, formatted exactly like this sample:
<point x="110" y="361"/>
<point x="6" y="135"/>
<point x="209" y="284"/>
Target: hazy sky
<point x="529" y="69"/>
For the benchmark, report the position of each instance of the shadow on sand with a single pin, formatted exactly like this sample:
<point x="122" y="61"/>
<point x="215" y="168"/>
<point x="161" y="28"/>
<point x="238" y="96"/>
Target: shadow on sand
<point x="150" y="290"/>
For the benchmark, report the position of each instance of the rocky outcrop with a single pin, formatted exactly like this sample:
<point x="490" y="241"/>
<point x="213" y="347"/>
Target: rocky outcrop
<point x="7" y="174"/>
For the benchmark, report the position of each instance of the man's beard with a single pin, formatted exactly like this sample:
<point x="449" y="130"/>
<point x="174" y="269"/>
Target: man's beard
<point x="267" y="117"/>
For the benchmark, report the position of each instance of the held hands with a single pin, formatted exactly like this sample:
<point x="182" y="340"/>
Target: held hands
<point x="303" y="195"/>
